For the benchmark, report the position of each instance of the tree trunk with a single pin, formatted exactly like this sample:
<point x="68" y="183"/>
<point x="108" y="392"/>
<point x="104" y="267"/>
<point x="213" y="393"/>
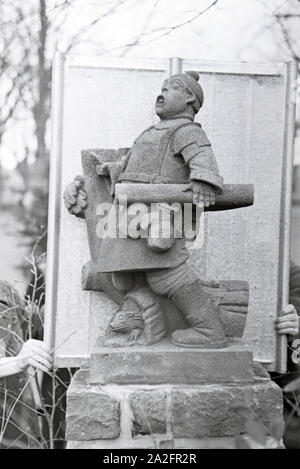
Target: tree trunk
<point x="41" y="108"/>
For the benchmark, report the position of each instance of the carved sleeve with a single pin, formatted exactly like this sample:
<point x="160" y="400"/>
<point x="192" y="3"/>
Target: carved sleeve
<point x="193" y="145"/>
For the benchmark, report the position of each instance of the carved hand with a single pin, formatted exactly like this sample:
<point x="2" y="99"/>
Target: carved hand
<point x="202" y="193"/>
<point x="75" y="197"/>
<point x="114" y="170"/>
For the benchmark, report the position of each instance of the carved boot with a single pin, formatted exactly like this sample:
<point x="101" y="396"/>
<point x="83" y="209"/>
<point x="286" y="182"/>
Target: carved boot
<point x="206" y="330"/>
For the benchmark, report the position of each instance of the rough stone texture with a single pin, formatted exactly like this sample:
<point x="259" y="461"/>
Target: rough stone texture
<point x="260" y="372"/>
<point x="91" y="412"/>
<point x="207" y="411"/>
<point x="97" y="191"/>
<point x="165" y="363"/>
<point x="267" y="401"/>
<point x="149" y="412"/>
<point x="189" y="416"/>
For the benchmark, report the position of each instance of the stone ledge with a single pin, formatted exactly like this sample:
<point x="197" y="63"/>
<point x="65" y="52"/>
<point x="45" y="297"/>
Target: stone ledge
<point x="155" y="443"/>
<point x="165" y="363"/>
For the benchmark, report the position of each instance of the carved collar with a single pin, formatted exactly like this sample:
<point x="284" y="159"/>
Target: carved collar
<point x="169" y="123"/>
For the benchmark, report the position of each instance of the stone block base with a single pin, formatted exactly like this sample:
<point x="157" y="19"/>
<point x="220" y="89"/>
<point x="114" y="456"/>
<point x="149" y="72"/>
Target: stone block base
<point x="164" y="416"/>
<point x="166" y="363"/>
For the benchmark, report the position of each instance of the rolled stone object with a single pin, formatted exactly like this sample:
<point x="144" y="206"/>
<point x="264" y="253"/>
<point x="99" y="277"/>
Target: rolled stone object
<point x="233" y="195"/>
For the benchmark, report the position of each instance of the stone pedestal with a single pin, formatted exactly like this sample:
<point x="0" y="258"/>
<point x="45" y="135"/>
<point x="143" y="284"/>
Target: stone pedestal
<point x="163" y="396"/>
<point x="166" y="363"/>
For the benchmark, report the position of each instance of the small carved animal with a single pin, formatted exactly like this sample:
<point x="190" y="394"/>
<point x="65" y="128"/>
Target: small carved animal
<point x="128" y="321"/>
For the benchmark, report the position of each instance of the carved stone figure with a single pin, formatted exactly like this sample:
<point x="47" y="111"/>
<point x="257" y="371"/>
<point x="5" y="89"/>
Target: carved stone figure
<point x="172" y="157"/>
<point x="138" y="320"/>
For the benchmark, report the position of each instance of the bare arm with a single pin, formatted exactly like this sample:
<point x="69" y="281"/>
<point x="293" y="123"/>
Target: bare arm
<point x="9" y="366"/>
<point x="34" y="353"/>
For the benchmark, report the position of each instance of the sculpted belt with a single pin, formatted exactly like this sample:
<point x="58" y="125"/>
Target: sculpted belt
<point x="150" y="178"/>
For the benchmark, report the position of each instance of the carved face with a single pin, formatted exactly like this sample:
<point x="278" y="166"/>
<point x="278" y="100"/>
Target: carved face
<point x="174" y="99"/>
<point x="123" y="321"/>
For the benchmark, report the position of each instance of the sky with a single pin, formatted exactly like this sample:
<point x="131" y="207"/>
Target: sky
<point x="230" y="30"/>
<point x="223" y="33"/>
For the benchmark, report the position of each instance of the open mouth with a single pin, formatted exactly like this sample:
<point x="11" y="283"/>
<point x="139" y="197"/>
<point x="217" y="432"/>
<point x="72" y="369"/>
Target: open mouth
<point x="160" y="101"/>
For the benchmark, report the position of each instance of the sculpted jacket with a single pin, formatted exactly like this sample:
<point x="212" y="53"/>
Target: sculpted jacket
<point x="173" y="151"/>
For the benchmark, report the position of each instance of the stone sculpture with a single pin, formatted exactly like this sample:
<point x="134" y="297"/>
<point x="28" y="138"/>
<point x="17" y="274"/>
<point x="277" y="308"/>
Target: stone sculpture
<point x="169" y="162"/>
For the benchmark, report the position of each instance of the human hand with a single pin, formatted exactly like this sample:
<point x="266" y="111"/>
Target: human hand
<point x="75" y="197"/>
<point x="202" y="193"/>
<point x="34" y="353"/>
<point x="288" y="322"/>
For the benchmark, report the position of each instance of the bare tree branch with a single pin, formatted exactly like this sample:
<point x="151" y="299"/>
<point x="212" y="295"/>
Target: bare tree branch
<point x="287" y="15"/>
<point x="76" y="39"/>
<point x="166" y="30"/>
<point x="287" y="39"/>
